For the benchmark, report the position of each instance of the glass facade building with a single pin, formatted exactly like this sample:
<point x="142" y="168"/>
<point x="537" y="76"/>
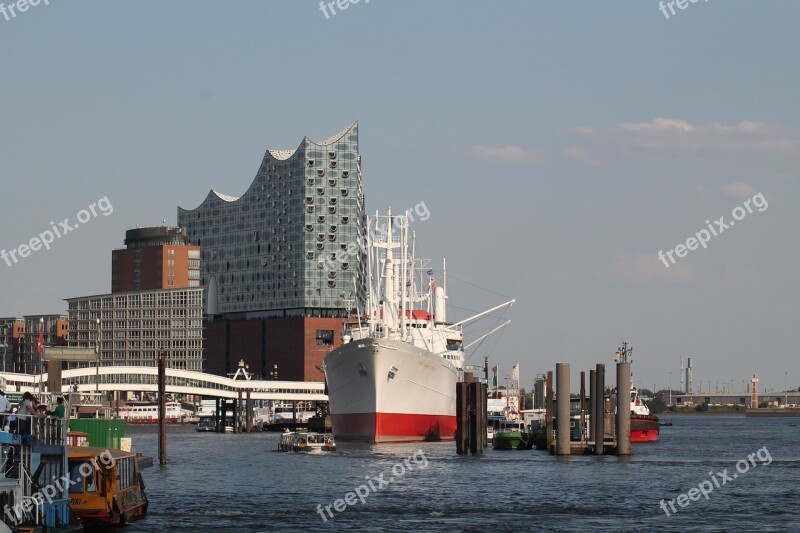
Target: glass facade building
<point x="292" y="244"/>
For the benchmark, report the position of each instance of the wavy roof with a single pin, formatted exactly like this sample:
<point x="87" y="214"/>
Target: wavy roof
<point x="280" y="155"/>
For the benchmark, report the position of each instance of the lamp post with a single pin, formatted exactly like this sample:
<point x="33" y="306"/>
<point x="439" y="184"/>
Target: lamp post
<point x="670" y="388"/>
<point x="97" y="363"/>
<point x="785" y="389"/>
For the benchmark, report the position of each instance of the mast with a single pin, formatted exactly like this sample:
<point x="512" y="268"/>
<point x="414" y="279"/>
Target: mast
<point x="403" y="275"/>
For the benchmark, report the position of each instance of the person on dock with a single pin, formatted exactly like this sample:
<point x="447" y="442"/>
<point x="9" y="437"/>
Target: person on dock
<point x="25" y="411"/>
<point x="59" y="410"/>
<point x="5" y="408"/>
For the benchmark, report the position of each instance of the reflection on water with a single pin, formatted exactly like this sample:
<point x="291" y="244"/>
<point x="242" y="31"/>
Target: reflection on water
<point x="225" y="482"/>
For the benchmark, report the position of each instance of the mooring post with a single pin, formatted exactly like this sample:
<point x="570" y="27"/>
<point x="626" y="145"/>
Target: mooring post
<point x="162" y="409"/>
<point x="623" y="408"/>
<point x="240" y="406"/>
<point x="462" y="417"/>
<point x="562" y="407"/>
<point x="474" y="443"/>
<point x="548" y="400"/>
<point x="224" y="415"/>
<point x="484" y="414"/>
<point x="249" y="416"/>
<point x="599" y="409"/>
<point x="583" y="406"/>
<point x="216" y="415"/>
<point x="592" y="401"/>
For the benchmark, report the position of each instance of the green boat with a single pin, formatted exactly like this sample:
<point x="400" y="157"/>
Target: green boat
<point x="513" y="435"/>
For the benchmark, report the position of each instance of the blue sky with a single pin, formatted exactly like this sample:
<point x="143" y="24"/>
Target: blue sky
<point x="558" y="146"/>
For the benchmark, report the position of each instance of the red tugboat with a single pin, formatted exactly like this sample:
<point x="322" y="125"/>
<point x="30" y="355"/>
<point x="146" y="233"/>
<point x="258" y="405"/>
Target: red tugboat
<point x="644" y="426"/>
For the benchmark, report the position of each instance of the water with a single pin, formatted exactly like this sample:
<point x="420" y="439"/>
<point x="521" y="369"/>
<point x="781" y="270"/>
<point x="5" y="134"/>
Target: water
<point x="224" y="482"/>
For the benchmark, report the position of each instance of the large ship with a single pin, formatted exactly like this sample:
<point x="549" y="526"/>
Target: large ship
<point x="393" y="379"/>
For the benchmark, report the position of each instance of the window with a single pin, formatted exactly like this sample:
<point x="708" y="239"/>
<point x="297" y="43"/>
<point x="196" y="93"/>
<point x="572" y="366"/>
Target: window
<point x="77" y="479"/>
<point x="324" y="336"/>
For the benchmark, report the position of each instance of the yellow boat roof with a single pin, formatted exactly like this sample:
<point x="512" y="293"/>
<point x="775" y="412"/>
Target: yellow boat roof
<point x="86" y="452"/>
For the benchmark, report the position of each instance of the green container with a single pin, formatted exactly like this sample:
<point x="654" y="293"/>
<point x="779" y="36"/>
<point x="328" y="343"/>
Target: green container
<point x="103" y="433"/>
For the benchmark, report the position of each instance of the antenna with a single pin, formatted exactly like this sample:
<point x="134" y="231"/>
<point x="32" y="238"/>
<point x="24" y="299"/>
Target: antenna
<point x="624" y="353"/>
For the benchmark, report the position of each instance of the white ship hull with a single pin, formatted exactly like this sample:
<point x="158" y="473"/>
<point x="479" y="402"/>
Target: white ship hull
<point x="383" y="390"/>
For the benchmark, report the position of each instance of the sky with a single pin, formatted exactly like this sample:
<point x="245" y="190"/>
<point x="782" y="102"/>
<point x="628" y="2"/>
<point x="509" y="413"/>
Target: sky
<point x="558" y="146"/>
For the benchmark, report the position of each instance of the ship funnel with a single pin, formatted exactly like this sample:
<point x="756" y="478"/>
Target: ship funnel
<point x="439" y="312"/>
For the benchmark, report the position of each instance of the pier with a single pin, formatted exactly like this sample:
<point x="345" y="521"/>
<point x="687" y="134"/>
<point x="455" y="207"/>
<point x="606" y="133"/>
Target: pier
<point x="471" y="415"/>
<point x="567" y="430"/>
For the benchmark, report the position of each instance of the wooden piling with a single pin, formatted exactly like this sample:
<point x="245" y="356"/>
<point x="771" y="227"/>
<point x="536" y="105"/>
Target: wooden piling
<point x="548" y="400"/>
<point x="162" y="409"/>
<point x="583" y="407"/>
<point x="473" y="393"/>
<point x="562" y="409"/>
<point x="470" y="415"/>
<point x="249" y="413"/>
<point x="224" y="413"/>
<point x="239" y="417"/>
<point x="462" y="418"/>
<point x="592" y="398"/>
<point x="623" y="409"/>
<point x="598" y="406"/>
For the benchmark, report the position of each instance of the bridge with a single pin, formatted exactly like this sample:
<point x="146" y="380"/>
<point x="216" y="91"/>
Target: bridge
<point x="145" y="379"/>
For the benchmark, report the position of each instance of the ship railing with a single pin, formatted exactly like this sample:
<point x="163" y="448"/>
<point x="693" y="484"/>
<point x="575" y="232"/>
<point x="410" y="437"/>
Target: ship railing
<point x="49" y="430"/>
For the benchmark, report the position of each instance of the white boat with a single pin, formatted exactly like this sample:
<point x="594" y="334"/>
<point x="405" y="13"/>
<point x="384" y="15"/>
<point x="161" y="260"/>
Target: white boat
<point x="285" y="412"/>
<point x="394" y="377"/>
<point x="304" y="441"/>
<point x="147" y="413"/>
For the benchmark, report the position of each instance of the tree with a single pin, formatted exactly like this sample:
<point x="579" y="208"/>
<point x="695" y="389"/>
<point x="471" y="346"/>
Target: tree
<point x="656" y="405"/>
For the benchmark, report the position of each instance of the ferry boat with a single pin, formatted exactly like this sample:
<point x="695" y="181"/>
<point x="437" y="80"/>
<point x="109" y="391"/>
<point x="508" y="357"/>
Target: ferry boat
<point x="301" y="441"/>
<point x="147" y="413"/>
<point x="393" y="379"/>
<point x="106" y="486"/>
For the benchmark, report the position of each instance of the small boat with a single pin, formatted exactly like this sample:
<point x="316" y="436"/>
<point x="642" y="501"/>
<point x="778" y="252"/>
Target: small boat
<point x="206" y="424"/>
<point x="513" y="435"/>
<point x="106" y="487"/>
<point x="302" y="441"/>
<point x="665" y="422"/>
<point x="644" y="426"/>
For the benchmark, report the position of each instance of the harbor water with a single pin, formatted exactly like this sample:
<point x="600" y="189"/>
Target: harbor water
<point x="226" y="482"/>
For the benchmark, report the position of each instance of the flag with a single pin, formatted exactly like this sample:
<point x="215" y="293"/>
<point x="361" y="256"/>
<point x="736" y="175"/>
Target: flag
<point x="430" y="272"/>
<point x="41" y="340"/>
<point x="515" y="373"/>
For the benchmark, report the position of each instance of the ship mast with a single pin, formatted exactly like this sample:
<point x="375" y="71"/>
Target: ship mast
<point x="624" y="353"/>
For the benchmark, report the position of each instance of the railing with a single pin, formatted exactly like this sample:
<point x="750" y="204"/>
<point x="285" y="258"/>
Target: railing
<point x="48" y="429"/>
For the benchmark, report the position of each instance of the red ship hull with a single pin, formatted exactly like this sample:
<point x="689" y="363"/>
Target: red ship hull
<point x="393" y="427"/>
<point x="644" y="428"/>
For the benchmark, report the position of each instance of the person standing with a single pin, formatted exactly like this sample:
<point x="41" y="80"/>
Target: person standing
<point x="25" y="412"/>
<point x="59" y="410"/>
<point x="5" y="408"/>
